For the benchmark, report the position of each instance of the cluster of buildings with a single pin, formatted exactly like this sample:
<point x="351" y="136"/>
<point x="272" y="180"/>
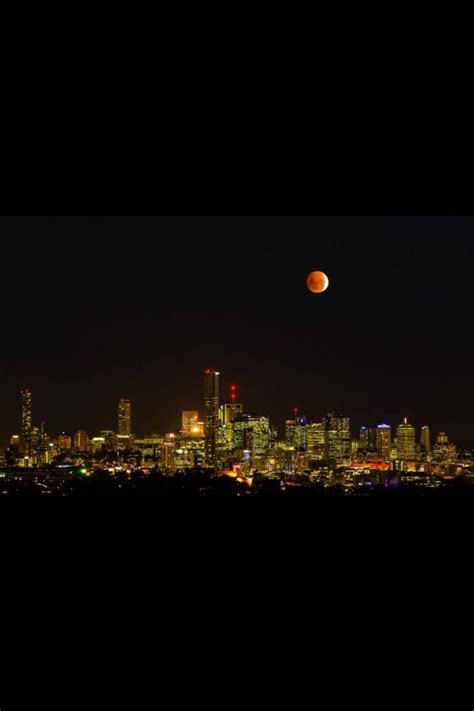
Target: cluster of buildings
<point x="228" y="439"/>
<point x="35" y="447"/>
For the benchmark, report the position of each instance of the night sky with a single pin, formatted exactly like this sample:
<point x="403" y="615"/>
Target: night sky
<point x="98" y="308"/>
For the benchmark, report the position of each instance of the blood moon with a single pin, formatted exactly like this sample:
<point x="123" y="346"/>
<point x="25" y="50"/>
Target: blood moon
<point x="317" y="282"/>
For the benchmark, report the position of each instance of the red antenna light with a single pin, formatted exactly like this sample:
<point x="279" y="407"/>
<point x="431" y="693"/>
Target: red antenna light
<point x="233" y="392"/>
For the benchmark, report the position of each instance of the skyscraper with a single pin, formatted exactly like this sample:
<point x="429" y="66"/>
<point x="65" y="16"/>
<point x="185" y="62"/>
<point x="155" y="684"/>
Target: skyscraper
<point x="315" y="438"/>
<point x="211" y="415"/>
<point x="372" y="439"/>
<point x="228" y="412"/>
<point x="124" y="417"/>
<point x="64" y="441"/>
<point x="290" y="431"/>
<point x="189" y="422"/>
<point x="426" y="440"/>
<point x="301" y="434"/>
<point x="338" y="439"/>
<point x="384" y="441"/>
<point x="168" y="451"/>
<point x="81" y="441"/>
<point x="406" y="445"/>
<point x="252" y="432"/>
<point x="364" y="438"/>
<point x="25" y="436"/>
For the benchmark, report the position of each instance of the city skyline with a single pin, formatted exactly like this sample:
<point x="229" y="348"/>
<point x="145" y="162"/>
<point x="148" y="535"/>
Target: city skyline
<point x="218" y="410"/>
<point x="230" y="410"/>
<point x="232" y="451"/>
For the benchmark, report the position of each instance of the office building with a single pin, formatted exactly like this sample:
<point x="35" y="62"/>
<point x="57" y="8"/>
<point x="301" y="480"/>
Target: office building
<point x="338" y="439"/>
<point x="384" y="441"/>
<point x="406" y="444"/>
<point x="252" y="433"/>
<point x="124" y="417"/>
<point x="425" y="440"/>
<point x="190" y="423"/>
<point x="26" y="420"/>
<point x="211" y="415"/>
<point x="82" y="441"/>
<point x="315" y="439"/>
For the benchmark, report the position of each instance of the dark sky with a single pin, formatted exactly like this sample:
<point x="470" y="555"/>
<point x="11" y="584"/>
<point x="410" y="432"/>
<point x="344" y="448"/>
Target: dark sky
<point x="95" y="308"/>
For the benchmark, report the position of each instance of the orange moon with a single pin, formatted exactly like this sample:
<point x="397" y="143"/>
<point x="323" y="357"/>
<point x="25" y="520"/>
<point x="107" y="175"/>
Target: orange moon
<point x="317" y="282"/>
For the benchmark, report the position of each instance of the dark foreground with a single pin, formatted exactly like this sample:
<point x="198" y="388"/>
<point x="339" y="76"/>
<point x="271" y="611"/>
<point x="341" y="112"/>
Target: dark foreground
<point x="208" y="483"/>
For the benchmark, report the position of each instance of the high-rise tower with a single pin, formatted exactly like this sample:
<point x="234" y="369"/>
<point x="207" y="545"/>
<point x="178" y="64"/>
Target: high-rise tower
<point x="124" y="417"/>
<point x="25" y="441"/>
<point x="315" y="439"/>
<point x="384" y="441"/>
<point x="211" y="415"/>
<point x="426" y="440"/>
<point x="338" y="438"/>
<point x="406" y="440"/>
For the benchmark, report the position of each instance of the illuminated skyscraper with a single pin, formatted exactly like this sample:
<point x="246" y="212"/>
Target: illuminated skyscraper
<point x="364" y="438"/>
<point x="38" y="438"/>
<point x="211" y="415"/>
<point x="260" y="440"/>
<point x="252" y="432"/>
<point x="228" y="412"/>
<point x="315" y="438"/>
<point x="368" y="439"/>
<point x="384" y="441"/>
<point x="26" y="422"/>
<point x="124" y="417"/>
<point x="372" y="439"/>
<point x="338" y="439"/>
<point x="426" y="440"/>
<point x="189" y="422"/>
<point x="301" y="434"/>
<point x="406" y="445"/>
<point x="168" y="451"/>
<point x="82" y="441"/>
<point x="64" y="441"/>
<point x="290" y="432"/>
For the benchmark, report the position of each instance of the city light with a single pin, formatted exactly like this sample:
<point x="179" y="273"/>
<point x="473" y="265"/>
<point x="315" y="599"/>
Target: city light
<point x="250" y="452"/>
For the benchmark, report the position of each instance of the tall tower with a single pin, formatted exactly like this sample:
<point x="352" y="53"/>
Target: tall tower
<point x="168" y="451"/>
<point x="426" y="440"/>
<point x="25" y="441"/>
<point x="124" y="417"/>
<point x="315" y="439"/>
<point x="211" y="415"/>
<point x="364" y="438"/>
<point x="384" y="441"/>
<point x="406" y="446"/>
<point x="338" y="439"/>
